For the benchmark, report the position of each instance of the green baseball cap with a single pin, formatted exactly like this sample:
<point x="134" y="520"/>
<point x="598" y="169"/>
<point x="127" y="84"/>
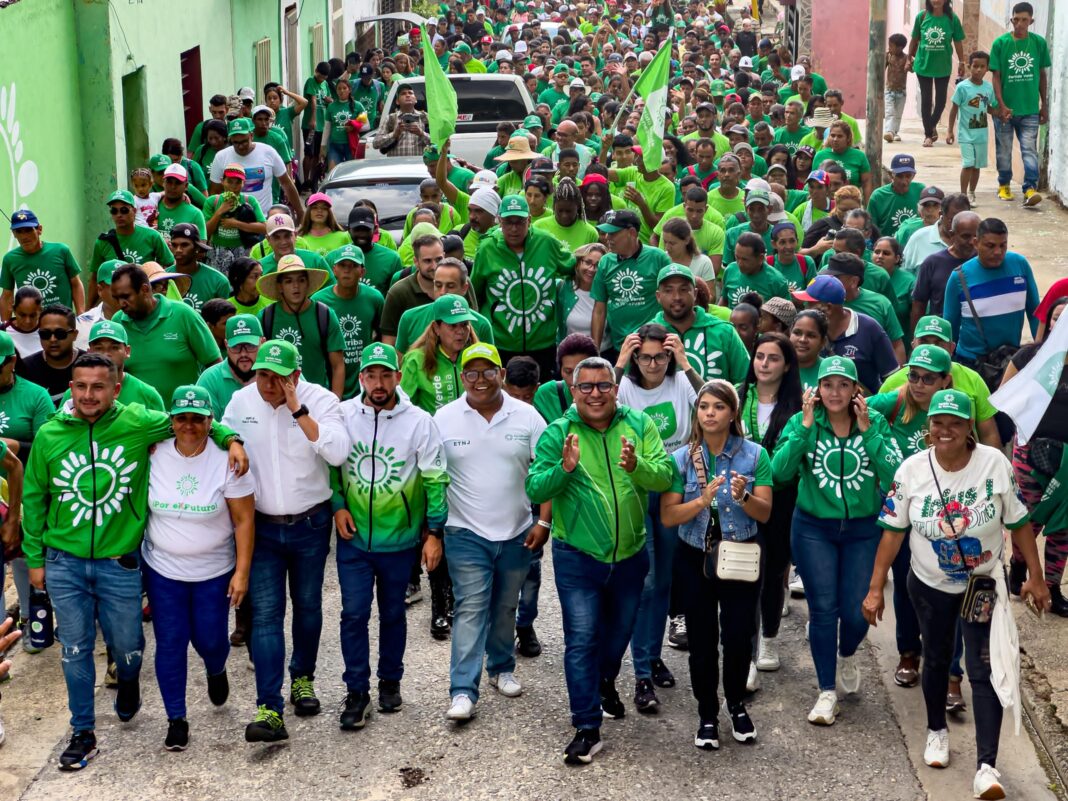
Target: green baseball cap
<point x="837" y="365"/>
<point x="514" y="206"/>
<point x="761" y="196"/>
<point x="717" y="88"/>
<point x="106" y="270"/>
<point x="480" y="350"/>
<point x="122" y="196"/>
<point x="934" y="326"/>
<point x="345" y="253"/>
<point x="159" y="162"/>
<point x="431" y="154"/>
<point x="452" y="309"/>
<point x="191" y="399"/>
<point x="243" y="329"/>
<point x="462" y="47"/>
<point x="931" y="357"/>
<point x="952" y="402"/>
<point x="561" y="68"/>
<point x="108" y="329"/>
<point x="533" y="121"/>
<point x="7" y="346"/>
<point x="378" y="353"/>
<point x="239" y="126"/>
<point x="278" y="356"/>
<point x="675" y="271"/>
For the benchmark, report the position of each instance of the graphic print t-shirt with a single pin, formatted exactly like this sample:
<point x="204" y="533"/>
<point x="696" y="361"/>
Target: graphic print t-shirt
<point x="670" y="405"/>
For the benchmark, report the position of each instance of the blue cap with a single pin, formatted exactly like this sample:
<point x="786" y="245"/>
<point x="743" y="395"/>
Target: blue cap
<point x="824" y="289"/>
<point x="902" y="163"/>
<point x="23" y="218"/>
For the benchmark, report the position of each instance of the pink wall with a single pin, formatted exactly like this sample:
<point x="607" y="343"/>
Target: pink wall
<point x="840" y="49"/>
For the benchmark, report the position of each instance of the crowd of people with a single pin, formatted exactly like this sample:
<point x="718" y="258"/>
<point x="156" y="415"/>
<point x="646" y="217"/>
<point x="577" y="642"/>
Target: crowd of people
<point x="687" y="376"/>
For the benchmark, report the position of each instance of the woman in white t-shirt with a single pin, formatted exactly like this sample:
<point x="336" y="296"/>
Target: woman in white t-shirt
<point x="656" y="378"/>
<point x="196" y="554"/>
<point x="952" y="500"/>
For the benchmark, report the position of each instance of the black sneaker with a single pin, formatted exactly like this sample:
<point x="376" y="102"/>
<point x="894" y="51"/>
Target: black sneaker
<point x="677" y="636"/>
<point x="266" y="727"/>
<point x="610" y="702"/>
<point x="645" y="696"/>
<point x="356" y="711"/>
<point x="439" y="609"/>
<point x="1060" y="604"/>
<point x="439" y="627"/>
<point x="81" y="749"/>
<point x="662" y="677"/>
<point x="389" y="696"/>
<point x="302" y="696"/>
<point x="582" y="749"/>
<point x="177" y="735"/>
<point x="128" y="699"/>
<point x="218" y="688"/>
<point x="413" y="594"/>
<point x="741" y="725"/>
<point x="527" y="642"/>
<point x="1017" y="577"/>
<point x="707" y="736"/>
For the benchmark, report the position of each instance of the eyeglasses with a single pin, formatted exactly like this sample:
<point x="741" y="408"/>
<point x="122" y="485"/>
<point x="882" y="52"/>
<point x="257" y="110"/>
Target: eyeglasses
<point x="54" y="333"/>
<point x="183" y="403"/>
<point x="117" y="210"/>
<point x="928" y="380"/>
<point x="489" y="374"/>
<point x="660" y="358"/>
<point x="587" y="387"/>
<point x="245" y="347"/>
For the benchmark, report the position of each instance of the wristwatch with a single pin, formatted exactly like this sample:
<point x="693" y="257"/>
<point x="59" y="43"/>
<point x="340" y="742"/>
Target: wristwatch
<point x="435" y="532"/>
<point x="303" y="410"/>
<point x="745" y="498"/>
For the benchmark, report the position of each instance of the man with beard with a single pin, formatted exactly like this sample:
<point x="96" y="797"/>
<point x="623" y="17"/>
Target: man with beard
<point x="244" y="335"/>
<point x="379" y="262"/>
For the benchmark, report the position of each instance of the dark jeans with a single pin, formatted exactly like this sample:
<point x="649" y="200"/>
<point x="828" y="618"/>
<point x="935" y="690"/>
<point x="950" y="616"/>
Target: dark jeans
<point x="716" y="612"/>
<point x="939" y="613"/>
<point x="528" y="595"/>
<point x="648" y="639"/>
<point x="598" y="603"/>
<point x="775" y="535"/>
<point x="297" y="551"/>
<point x="545" y="357"/>
<point x="363" y="575"/>
<point x="932" y="102"/>
<point x="185" y="612"/>
<point x="907" y="626"/>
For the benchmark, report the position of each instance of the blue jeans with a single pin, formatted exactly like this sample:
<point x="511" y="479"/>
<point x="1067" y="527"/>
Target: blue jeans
<point x="528" y="595"/>
<point x="360" y="573"/>
<point x="299" y="550"/>
<point x="338" y="152"/>
<point x="835" y="559"/>
<point x="185" y="612"/>
<point x="84" y="591"/>
<point x="648" y="638"/>
<point x="1026" y="130"/>
<point x="598" y="603"/>
<point x="907" y="626"/>
<point x="486" y="577"/>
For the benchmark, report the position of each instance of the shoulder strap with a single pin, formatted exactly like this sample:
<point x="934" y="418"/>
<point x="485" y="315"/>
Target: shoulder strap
<point x="112" y="238"/>
<point x="560" y="394"/>
<point x="698" y="459"/>
<point x="971" y="306"/>
<point x="268" y="321"/>
<point x="897" y="407"/>
<point x="322" y="317"/>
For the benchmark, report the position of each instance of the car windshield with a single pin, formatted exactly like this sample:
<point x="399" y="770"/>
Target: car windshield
<point x="393" y="198"/>
<point x="481" y="104"/>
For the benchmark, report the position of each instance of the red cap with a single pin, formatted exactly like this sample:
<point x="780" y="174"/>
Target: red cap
<point x="593" y="178"/>
<point x="486" y="40"/>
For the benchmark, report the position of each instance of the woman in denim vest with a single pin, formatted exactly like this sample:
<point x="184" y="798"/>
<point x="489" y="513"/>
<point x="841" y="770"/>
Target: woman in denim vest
<point x="722" y="490"/>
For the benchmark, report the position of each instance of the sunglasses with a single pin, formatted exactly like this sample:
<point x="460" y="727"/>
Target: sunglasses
<point x="54" y="333"/>
<point x="117" y="210"/>
<point x="587" y="387"/>
<point x="928" y="380"/>
<point x="183" y="403"/>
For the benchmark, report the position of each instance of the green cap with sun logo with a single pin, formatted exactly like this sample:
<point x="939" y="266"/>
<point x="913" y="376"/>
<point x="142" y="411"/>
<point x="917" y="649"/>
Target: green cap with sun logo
<point x="379" y="353"/>
<point x="952" y="402"/>
<point x="278" y="356"/>
<point x="837" y="365"/>
<point x="191" y="399"/>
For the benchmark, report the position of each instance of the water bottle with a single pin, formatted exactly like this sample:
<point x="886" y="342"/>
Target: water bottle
<point x="42" y="631"/>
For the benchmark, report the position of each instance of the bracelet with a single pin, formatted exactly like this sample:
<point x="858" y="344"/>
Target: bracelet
<point x="544" y="524"/>
<point x="301" y="412"/>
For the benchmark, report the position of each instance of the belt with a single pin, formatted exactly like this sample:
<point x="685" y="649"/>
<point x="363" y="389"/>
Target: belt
<point x="290" y="520"/>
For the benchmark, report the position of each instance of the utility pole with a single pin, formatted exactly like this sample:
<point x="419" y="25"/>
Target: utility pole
<point x="873" y="137"/>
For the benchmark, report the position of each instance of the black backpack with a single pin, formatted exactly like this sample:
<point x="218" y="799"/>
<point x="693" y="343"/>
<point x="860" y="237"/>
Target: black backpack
<point x="322" y="318"/>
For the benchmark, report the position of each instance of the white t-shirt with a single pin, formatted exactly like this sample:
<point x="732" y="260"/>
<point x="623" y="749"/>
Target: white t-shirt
<point x="190" y="536"/>
<point x="580" y="319"/>
<point x="976" y="502"/>
<point x="488" y="464"/>
<point x="25" y="344"/>
<point x="262" y="166"/>
<point x="670" y="405"/>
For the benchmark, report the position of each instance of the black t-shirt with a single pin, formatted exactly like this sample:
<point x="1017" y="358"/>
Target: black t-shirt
<point x="34" y="368"/>
<point x="932" y="278"/>
<point x="1054" y="422"/>
<point x="819" y="229"/>
<point x="746" y="42"/>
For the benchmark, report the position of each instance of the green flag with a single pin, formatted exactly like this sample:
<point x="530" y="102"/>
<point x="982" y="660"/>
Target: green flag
<point x="440" y="96"/>
<point x="652" y="87"/>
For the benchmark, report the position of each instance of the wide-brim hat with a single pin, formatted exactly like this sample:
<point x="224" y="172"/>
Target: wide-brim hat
<point x="155" y="272"/>
<point x="269" y="285"/>
<point x="821" y="118"/>
<point x="518" y="150"/>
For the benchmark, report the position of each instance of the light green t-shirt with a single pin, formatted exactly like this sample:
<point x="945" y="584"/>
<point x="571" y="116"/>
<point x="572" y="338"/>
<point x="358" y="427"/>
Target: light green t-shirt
<point x="853" y="161"/>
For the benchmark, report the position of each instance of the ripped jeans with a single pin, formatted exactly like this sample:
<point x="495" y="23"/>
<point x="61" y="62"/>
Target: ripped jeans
<point x="84" y="591"/>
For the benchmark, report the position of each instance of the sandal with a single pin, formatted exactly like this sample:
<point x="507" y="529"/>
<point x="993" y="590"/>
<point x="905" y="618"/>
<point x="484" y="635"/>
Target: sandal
<point x="928" y="142"/>
<point x="907" y="673"/>
<point x="954" y="698"/>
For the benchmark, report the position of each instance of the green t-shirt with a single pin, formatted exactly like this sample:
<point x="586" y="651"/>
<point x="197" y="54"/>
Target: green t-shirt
<point x="321" y="93"/>
<point x="908" y="436"/>
<point x="331" y="241"/>
<point x="902" y="282"/>
<point x="853" y="161"/>
<point x="207" y="284"/>
<point x="964" y="378"/>
<point x="1020" y="63"/>
<point x="371" y="98"/>
<point x="338" y="114"/>
<point x="908" y="227"/>
<point x="973" y="102"/>
<point x="303" y="331"/>
<point x="579" y="234"/>
<point x="767" y="282"/>
<point x="169" y="347"/>
<point x="730" y="239"/>
<point x="134" y="390"/>
<point x="277" y="140"/>
<point x="283" y="123"/>
<point x="24" y="408"/>
<point x="659" y="195"/>
<point x="261" y="303"/>
<point x="792" y="139"/>
<point x="358" y="318"/>
<point x="936" y="35"/>
<point x="312" y="260"/>
<point x="143" y="244"/>
<point x="794" y="273"/>
<point x="726" y="206"/>
<point x="711" y="216"/>
<point x="879" y="309"/>
<point x="810" y="375"/>
<point x="167" y="218"/>
<point x="552" y="399"/>
<point x="226" y="236"/>
<point x="628" y="288"/>
<point x="379" y="264"/>
<point x="888" y="209"/>
<point x="221" y="383"/>
<point x="762" y="475"/>
<point x="49" y="270"/>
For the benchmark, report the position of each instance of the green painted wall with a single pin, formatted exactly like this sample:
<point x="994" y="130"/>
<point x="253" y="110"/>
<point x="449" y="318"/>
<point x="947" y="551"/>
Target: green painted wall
<point x="254" y="20"/>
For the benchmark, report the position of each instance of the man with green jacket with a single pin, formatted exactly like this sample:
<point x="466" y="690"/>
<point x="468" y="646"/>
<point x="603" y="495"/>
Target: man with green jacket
<point x="85" y="504"/>
<point x="597" y="464"/>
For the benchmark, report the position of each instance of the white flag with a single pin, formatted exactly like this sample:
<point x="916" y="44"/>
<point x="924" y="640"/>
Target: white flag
<point x="1027" y="395"/>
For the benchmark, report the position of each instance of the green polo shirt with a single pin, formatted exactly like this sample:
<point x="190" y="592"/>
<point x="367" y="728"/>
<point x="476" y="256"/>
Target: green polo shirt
<point x="207" y="284"/>
<point x="358" y="318"/>
<point x="628" y="288"/>
<point x="303" y="331"/>
<point x="49" y="270"/>
<point x="221" y="383"/>
<point x="414" y="322"/>
<point x="169" y="347"/>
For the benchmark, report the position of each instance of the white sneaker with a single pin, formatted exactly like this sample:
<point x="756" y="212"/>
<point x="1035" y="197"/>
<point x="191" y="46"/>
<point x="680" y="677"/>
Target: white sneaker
<point x="796" y="586"/>
<point x="3" y="736"/>
<point x="971" y="199"/>
<point x="807" y="624"/>
<point x="752" y="684"/>
<point x="849" y="674"/>
<point x="986" y="784"/>
<point x="936" y="754"/>
<point x="786" y="606"/>
<point x="463" y="708"/>
<point x="826" y="709"/>
<point x="768" y="654"/>
<point x="507" y="684"/>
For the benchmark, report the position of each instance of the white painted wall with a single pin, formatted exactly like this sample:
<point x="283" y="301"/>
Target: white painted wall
<point x="1058" y="100"/>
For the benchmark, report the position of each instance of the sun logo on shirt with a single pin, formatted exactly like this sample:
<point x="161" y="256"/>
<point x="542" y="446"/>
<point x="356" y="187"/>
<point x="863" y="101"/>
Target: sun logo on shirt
<point x="351" y="325"/>
<point x="106" y="477"/>
<point x="1021" y="63"/>
<point x="187" y="485"/>
<point x="289" y="334"/>
<point x="901" y="215"/>
<point x="736" y="295"/>
<point x="374" y="467"/>
<point x="627" y="286"/>
<point x="934" y="36"/>
<point x="44" y="282"/>
<point x="521" y="296"/>
<point x="661" y="420"/>
<point x="4" y="421"/>
<point x="841" y="463"/>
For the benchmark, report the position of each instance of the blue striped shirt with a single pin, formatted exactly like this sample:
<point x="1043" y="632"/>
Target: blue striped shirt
<point x="1003" y="298"/>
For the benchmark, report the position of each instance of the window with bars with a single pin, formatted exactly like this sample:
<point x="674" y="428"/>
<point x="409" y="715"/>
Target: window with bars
<point x="263" y="64"/>
<point x="318" y="50"/>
